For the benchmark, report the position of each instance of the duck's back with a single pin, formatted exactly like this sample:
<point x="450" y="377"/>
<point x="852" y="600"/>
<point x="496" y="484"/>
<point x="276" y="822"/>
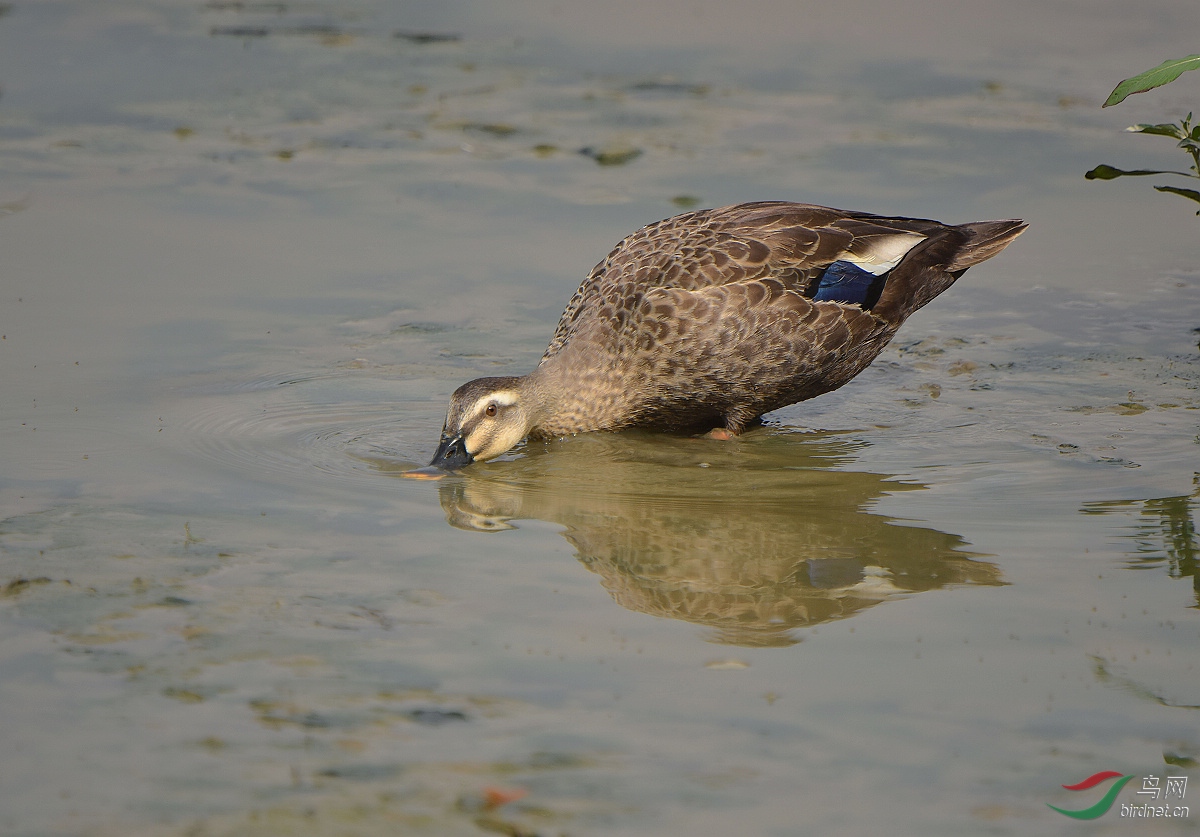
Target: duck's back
<point x="717" y="316"/>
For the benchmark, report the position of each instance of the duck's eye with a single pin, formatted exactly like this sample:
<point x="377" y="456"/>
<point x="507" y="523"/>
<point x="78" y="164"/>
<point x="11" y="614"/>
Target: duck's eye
<point x="490" y="411"/>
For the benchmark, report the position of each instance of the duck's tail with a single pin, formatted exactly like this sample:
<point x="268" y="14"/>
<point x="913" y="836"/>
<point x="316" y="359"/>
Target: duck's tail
<point x="984" y="240"/>
<point x="933" y="265"/>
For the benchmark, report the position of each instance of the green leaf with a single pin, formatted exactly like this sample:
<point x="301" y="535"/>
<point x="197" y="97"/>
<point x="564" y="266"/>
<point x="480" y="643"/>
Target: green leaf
<point x="1165" y="72"/>
<point x="1190" y="194"/>
<point x="1103" y="172"/>
<point x="1167" y="129"/>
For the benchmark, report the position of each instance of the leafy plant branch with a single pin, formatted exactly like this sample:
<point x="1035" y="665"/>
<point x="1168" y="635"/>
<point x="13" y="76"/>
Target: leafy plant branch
<point x="1186" y="135"/>
<point x="1164" y="73"/>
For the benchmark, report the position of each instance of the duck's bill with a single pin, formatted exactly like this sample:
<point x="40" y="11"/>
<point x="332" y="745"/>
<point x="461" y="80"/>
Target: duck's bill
<point x="452" y="454"/>
<point x="426" y="473"/>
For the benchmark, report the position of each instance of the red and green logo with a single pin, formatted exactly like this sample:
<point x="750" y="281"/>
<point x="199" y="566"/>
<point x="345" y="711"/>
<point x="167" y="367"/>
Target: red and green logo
<point x="1101" y="807"/>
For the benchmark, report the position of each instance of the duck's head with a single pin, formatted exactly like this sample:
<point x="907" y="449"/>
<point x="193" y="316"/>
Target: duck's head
<point x="487" y="417"/>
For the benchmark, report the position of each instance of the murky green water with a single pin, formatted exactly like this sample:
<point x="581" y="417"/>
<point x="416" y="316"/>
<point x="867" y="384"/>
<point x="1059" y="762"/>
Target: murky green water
<point x="250" y="248"/>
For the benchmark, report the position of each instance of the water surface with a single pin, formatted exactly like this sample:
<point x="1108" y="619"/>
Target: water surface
<point x="250" y="249"/>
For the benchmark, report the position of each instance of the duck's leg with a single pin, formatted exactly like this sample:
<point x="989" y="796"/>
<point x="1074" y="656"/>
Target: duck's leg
<point x="734" y="425"/>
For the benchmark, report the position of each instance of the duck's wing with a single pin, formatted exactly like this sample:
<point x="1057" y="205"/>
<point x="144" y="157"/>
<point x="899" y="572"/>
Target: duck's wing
<point x="733" y="352"/>
<point x="795" y="245"/>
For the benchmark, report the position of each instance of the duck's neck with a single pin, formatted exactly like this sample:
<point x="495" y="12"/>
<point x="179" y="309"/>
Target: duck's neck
<point x="542" y="391"/>
<point x="571" y="393"/>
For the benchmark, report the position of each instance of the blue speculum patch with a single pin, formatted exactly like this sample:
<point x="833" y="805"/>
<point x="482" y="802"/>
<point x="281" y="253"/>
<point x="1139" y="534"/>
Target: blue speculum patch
<point x="847" y="282"/>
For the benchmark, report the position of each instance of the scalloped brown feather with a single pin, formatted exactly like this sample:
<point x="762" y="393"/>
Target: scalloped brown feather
<point x="705" y="319"/>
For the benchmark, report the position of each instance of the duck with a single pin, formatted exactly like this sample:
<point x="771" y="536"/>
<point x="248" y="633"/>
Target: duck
<point x="707" y="320"/>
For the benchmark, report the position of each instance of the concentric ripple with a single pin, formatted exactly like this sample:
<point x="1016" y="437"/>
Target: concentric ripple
<point x="298" y="425"/>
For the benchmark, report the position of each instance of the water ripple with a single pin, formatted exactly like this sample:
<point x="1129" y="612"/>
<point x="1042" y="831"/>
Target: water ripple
<point x="290" y="436"/>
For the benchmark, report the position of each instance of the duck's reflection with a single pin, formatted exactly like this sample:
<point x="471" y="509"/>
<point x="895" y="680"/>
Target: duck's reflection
<point x="753" y="537"/>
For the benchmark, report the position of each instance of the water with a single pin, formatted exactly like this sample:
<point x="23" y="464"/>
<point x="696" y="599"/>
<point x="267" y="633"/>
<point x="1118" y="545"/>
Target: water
<point x="250" y="249"/>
